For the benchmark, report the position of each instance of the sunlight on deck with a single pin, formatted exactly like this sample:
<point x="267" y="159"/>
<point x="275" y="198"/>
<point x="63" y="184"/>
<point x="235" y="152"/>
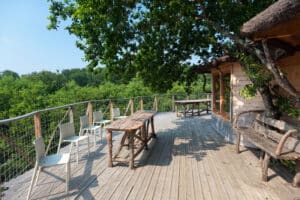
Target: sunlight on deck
<point x="189" y="160"/>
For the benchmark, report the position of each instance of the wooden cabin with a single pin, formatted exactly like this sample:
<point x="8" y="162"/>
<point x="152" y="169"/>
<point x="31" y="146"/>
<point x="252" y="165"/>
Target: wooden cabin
<point x="228" y="79"/>
<point x="279" y="25"/>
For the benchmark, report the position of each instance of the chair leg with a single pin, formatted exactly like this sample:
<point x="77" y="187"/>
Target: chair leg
<point x="238" y="141"/>
<point x="88" y="143"/>
<point x="68" y="175"/>
<point x="58" y="147"/>
<point x="296" y="181"/>
<point x="38" y="175"/>
<point x="265" y="166"/>
<point x="32" y="180"/>
<point x="94" y="133"/>
<point x="77" y="157"/>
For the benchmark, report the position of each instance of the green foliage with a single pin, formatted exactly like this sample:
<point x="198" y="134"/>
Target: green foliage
<point x="286" y="106"/>
<point x="160" y="40"/>
<point x="248" y="92"/>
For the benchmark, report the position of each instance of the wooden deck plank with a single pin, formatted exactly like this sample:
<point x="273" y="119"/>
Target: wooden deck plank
<point x="158" y="177"/>
<point x="169" y="174"/>
<point x="140" y="190"/>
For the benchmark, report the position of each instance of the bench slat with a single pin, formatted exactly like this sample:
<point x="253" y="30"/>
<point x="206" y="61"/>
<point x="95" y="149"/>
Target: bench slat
<point x="279" y="124"/>
<point x="267" y="145"/>
<point x="291" y="143"/>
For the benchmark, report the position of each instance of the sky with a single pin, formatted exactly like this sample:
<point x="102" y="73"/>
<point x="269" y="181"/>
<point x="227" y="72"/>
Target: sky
<point x="26" y="45"/>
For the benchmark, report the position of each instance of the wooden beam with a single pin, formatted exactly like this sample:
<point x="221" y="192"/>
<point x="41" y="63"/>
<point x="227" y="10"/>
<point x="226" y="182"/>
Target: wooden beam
<point x="71" y="114"/>
<point x="142" y="103"/>
<point x="222" y="94"/>
<point x="213" y="92"/>
<point x="173" y="103"/>
<point x="90" y="112"/>
<point x="132" y="106"/>
<point x="111" y="107"/>
<point x="37" y="125"/>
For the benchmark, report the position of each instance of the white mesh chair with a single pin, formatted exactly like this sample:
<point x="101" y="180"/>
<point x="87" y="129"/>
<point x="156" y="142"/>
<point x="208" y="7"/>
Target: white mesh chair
<point x="85" y="127"/>
<point x="117" y="115"/>
<point x="67" y="134"/>
<point x="98" y="119"/>
<point x="43" y="161"/>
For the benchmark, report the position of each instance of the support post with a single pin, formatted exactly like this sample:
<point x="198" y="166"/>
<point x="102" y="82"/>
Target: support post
<point x="37" y="125"/>
<point x="214" y="105"/>
<point x="142" y="103"/>
<point x="173" y="103"/>
<point x="111" y="107"/>
<point x="132" y="106"/>
<point x="156" y="103"/>
<point x="222" y="95"/>
<point x="90" y="112"/>
<point x="71" y="114"/>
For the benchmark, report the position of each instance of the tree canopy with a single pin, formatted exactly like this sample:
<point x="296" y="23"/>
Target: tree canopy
<point x="160" y="40"/>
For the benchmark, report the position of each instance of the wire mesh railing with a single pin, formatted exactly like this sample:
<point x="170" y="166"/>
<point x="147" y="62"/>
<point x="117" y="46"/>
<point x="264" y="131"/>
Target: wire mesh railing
<point x="16" y="134"/>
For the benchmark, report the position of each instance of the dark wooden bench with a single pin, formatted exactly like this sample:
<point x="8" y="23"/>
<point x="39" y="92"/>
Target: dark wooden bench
<point x="275" y="138"/>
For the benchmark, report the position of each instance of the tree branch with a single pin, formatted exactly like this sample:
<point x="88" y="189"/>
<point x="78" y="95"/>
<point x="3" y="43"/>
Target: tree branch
<point x="278" y="75"/>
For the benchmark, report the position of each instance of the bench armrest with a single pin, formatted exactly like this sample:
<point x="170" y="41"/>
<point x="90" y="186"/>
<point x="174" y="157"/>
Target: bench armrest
<point x="283" y="140"/>
<point x="243" y="112"/>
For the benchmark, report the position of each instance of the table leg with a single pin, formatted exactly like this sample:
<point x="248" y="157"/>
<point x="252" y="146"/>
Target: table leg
<point x="109" y="149"/>
<point x="207" y="104"/>
<point x="152" y="128"/>
<point x="121" y="144"/>
<point x="131" y="150"/>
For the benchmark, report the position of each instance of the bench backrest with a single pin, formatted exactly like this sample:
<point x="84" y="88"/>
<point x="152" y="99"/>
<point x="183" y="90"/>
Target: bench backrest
<point x="274" y="130"/>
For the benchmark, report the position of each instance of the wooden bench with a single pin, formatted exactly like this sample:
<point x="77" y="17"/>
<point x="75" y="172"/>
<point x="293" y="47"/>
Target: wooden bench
<point x="275" y="138"/>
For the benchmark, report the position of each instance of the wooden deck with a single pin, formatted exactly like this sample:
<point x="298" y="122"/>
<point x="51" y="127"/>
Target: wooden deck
<point x="189" y="160"/>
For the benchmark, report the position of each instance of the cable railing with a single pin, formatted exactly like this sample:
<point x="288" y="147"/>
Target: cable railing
<point x="16" y="134"/>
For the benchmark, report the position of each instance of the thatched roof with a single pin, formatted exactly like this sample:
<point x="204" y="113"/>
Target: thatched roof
<point x="279" y="12"/>
<point x="206" y="68"/>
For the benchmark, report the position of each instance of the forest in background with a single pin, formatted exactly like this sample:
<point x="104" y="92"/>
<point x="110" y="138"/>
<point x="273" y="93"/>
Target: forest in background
<point x="40" y="90"/>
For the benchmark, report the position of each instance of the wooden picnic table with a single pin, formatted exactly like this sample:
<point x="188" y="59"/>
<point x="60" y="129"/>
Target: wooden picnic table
<point x="136" y="127"/>
<point x="193" y="102"/>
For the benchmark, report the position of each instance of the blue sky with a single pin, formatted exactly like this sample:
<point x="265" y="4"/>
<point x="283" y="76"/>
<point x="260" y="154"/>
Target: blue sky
<point x="26" y="45"/>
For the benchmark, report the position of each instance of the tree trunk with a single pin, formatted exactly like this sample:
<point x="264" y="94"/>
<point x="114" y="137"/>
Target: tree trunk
<point x="271" y="110"/>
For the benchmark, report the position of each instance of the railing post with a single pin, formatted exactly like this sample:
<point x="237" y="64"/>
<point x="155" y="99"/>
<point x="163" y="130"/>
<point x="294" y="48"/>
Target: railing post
<point x="71" y="114"/>
<point x="111" y="110"/>
<point x="173" y="103"/>
<point x="156" y="103"/>
<point x="188" y="98"/>
<point x="142" y="103"/>
<point x="90" y="112"/>
<point x="37" y="125"/>
<point x="132" y="106"/>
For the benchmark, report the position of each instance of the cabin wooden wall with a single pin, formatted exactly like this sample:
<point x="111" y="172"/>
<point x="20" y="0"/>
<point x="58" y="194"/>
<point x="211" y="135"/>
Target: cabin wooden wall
<point x="291" y="67"/>
<point x="238" y="81"/>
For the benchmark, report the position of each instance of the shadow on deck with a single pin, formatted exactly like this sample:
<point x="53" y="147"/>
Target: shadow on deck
<point x="189" y="160"/>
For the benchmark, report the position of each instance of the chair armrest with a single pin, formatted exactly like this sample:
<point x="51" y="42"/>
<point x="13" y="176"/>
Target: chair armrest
<point x="283" y="140"/>
<point x="243" y="112"/>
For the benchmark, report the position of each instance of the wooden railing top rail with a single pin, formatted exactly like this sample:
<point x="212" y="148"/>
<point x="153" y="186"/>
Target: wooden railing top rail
<point x="6" y="121"/>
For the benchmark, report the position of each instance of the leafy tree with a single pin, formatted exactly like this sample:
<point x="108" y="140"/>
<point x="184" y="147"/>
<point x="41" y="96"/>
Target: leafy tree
<point x="162" y="40"/>
<point x="52" y="81"/>
<point x="9" y="73"/>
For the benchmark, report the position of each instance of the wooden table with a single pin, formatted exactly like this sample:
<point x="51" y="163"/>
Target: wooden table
<point x="194" y="102"/>
<point x="136" y="127"/>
